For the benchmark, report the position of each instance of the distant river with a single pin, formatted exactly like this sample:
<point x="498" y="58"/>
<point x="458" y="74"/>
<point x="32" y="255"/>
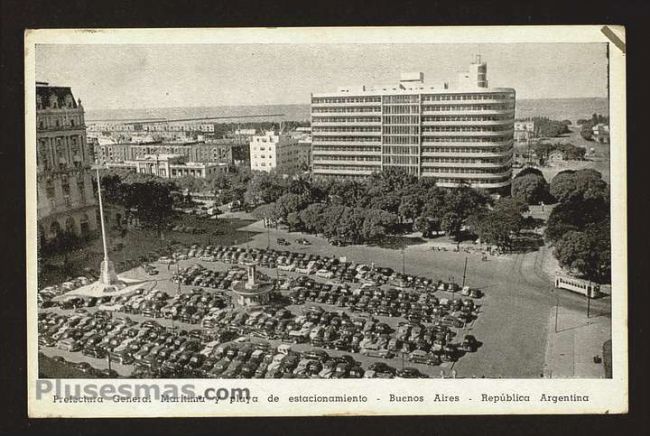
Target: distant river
<point x="558" y="109"/>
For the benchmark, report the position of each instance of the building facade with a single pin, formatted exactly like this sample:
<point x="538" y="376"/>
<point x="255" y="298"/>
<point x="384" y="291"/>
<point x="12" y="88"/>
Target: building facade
<point x="280" y="151"/>
<point x="524" y="130"/>
<point x="66" y="200"/>
<point x="170" y="166"/>
<point x="461" y="136"/>
<point x="217" y="151"/>
<point x="600" y="133"/>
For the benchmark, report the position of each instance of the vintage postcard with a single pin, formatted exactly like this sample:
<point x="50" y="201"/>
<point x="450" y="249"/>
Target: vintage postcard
<point x="326" y="221"/>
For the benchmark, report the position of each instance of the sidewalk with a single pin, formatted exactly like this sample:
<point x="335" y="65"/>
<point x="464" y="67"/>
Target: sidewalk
<point x="570" y="351"/>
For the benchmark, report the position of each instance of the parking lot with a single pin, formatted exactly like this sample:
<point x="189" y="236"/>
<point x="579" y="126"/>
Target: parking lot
<point x="363" y="315"/>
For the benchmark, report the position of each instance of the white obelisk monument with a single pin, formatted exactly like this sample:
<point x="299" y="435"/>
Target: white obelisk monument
<point x="107" y="275"/>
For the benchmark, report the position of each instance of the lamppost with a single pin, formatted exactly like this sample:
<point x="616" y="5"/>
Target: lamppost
<point x="588" y="298"/>
<point x="557" y="308"/>
<point x="464" y="272"/>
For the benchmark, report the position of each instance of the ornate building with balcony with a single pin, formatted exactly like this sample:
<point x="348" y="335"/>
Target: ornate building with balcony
<point x="66" y="200"/>
<point x="460" y="136"/>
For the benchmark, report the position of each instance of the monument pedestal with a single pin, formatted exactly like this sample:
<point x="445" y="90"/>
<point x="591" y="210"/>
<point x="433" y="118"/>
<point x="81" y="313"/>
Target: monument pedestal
<point x="107" y="274"/>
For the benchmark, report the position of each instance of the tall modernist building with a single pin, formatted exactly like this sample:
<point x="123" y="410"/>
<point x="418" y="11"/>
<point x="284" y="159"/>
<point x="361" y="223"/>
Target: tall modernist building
<point x="66" y="200"/>
<point x="460" y="135"/>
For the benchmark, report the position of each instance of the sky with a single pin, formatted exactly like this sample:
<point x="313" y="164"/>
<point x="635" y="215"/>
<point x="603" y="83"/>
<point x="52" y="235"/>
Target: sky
<point x="171" y="75"/>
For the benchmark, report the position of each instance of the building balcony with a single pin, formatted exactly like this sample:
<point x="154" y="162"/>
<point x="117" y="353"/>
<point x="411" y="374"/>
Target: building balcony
<point x="376" y="112"/>
<point x="344" y="172"/>
<point x="470" y="101"/>
<point x="486" y="185"/>
<point x="466" y="155"/>
<point x="427" y="172"/>
<point x="345" y="153"/>
<point x="468" y="112"/>
<point x="345" y="133"/>
<point x="316" y="122"/>
<point x="509" y="122"/>
<point x="509" y="132"/>
<point x="347" y="162"/>
<point x="373" y="141"/>
<point x="470" y="144"/>
<point x="361" y="104"/>
<point x="466" y="164"/>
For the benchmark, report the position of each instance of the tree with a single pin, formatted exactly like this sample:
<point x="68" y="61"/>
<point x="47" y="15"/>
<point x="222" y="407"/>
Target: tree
<point x="293" y="221"/>
<point x="190" y="183"/>
<point x="563" y="185"/>
<point x="426" y="225"/>
<point x="290" y="203"/>
<point x="148" y="197"/>
<point x="452" y="223"/>
<point x="376" y="223"/>
<point x="498" y="225"/>
<point x="530" y="170"/>
<point x="410" y="207"/>
<point x="312" y="218"/>
<point x="266" y="212"/>
<point x="530" y="189"/>
<point x="264" y="188"/>
<point x="581" y="184"/>
<point x="587" y="252"/>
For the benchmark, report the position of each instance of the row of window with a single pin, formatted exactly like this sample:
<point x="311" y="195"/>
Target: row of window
<point x="448" y="97"/>
<point x="402" y="119"/>
<point x="388" y="99"/>
<point x="46" y="123"/>
<point x="464" y="160"/>
<point x="469" y="139"/>
<point x="455" y="118"/>
<point x="468" y="107"/>
<point x="345" y="139"/>
<point x="325" y="110"/>
<point x="50" y="190"/>
<point x="347" y="148"/>
<point x="501" y="128"/>
<point x="336" y="100"/>
<point x="470" y="181"/>
<point x="402" y="110"/>
<point x="401" y="130"/>
<point x="348" y="158"/>
<point x="347" y="120"/>
<point x="401" y="140"/>
<point x="346" y="129"/>
<point x="318" y="166"/>
<point x="504" y="149"/>
<point x="401" y="160"/>
<point x="401" y="150"/>
<point x="462" y="170"/>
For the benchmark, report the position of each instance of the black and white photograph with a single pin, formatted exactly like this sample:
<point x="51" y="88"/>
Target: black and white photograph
<point x="310" y="211"/>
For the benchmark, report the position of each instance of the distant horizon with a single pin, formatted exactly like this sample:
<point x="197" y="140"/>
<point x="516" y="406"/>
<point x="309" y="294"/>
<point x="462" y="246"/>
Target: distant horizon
<point x="288" y="104"/>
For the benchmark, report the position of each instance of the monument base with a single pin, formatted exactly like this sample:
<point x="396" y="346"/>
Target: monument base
<point x="107" y="274"/>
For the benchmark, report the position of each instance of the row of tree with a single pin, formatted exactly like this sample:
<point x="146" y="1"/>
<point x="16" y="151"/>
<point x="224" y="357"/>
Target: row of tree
<point x="547" y="128"/>
<point x="144" y="196"/>
<point x="389" y="202"/>
<point x="570" y="152"/>
<point x="579" y="225"/>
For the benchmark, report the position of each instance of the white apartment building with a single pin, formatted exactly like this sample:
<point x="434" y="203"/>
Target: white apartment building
<point x="281" y="151"/>
<point x="461" y="135"/>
